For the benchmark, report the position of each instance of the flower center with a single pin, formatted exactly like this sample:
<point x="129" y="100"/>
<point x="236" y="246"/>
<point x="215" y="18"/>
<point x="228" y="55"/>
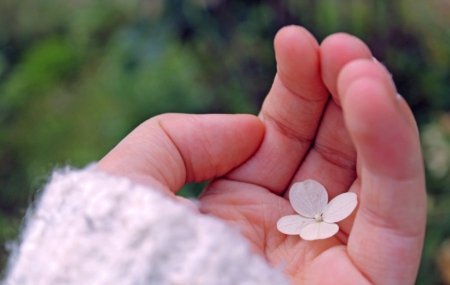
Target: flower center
<point x="318" y="218"/>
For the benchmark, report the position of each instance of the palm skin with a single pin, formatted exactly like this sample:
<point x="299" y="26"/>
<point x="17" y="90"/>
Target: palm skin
<point x="363" y="139"/>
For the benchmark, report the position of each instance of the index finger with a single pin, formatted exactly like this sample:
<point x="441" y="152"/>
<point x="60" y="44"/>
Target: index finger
<point x="291" y="112"/>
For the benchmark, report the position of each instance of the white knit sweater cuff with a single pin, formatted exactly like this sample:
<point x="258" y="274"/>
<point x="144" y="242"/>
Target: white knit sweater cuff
<point x="93" y="228"/>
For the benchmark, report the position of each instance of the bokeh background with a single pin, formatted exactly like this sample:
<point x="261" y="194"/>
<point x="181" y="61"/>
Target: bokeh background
<point x="77" y="76"/>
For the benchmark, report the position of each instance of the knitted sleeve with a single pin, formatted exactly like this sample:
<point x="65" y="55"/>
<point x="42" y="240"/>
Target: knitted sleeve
<point x="92" y="228"/>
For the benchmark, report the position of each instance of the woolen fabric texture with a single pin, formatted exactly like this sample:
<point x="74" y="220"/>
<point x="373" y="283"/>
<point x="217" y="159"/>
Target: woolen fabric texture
<point x="93" y="228"/>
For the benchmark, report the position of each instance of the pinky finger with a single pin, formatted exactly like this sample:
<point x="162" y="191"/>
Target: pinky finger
<point x="387" y="235"/>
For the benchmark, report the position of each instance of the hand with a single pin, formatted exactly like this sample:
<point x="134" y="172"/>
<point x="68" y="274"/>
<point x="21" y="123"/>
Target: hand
<point x="362" y="139"/>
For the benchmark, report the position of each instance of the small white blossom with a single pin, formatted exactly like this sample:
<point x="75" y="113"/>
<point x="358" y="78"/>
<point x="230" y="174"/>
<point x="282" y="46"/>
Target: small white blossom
<point x="316" y="219"/>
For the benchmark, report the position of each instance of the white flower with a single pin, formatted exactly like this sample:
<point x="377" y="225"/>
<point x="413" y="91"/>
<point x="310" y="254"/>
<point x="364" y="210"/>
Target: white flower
<point x="316" y="219"/>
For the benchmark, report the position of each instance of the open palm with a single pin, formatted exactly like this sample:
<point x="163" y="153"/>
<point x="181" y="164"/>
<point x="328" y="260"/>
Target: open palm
<point x="361" y="139"/>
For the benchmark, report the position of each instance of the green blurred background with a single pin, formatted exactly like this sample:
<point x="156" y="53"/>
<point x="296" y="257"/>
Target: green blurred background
<point x="77" y="76"/>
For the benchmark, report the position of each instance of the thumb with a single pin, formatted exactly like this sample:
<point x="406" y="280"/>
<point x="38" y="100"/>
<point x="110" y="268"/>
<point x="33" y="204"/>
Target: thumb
<point x="387" y="235"/>
<point x="170" y="150"/>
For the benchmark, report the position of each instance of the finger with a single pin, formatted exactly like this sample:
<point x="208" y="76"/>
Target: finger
<point x="387" y="236"/>
<point x="335" y="52"/>
<point x="173" y="149"/>
<point x="291" y="112"/>
<point x="332" y="159"/>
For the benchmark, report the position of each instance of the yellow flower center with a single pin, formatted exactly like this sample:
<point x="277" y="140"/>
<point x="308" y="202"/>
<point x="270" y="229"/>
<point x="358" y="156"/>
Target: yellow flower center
<point x="318" y="218"/>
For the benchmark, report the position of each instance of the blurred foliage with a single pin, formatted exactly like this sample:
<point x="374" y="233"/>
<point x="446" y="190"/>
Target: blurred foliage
<point x="77" y="76"/>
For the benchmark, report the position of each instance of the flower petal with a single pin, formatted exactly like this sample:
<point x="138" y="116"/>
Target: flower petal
<point x="340" y="208"/>
<point x="293" y="224"/>
<point x="308" y="198"/>
<point x="320" y="230"/>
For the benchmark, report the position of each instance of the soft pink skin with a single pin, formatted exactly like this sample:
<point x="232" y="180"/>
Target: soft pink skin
<point x="366" y="141"/>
